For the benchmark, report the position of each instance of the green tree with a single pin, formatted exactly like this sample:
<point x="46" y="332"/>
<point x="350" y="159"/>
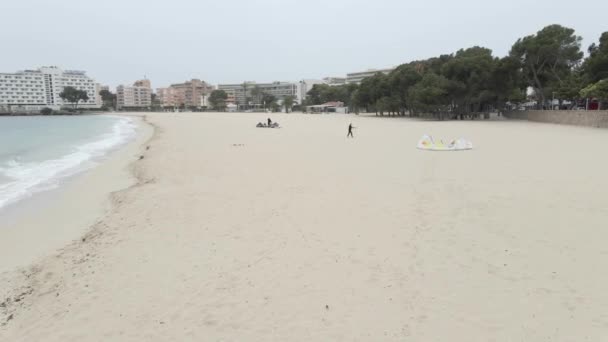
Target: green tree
<point x="470" y="74"/>
<point x="217" y="99"/>
<point x="598" y="90"/>
<point x="46" y="111"/>
<point x="257" y="94"/>
<point x="596" y="66"/>
<point x="73" y="96"/>
<point x="353" y="104"/>
<point x="108" y="98"/>
<point x="571" y="87"/>
<point x="507" y="82"/>
<point x="431" y="95"/>
<point x="322" y="93"/>
<point x="401" y="80"/>
<point x="288" y="103"/>
<point x="268" y="100"/>
<point x="372" y="90"/>
<point x="246" y="94"/>
<point x="313" y="97"/>
<point x="547" y="57"/>
<point x="156" y="104"/>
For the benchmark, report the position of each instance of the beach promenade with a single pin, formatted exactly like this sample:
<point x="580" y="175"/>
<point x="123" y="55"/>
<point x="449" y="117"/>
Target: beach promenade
<point x="237" y="233"/>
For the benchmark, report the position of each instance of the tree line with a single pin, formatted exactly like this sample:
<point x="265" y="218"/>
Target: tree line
<point x="550" y="63"/>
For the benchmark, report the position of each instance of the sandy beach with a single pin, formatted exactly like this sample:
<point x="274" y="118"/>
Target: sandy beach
<point x="235" y="233"/>
<point x="39" y="226"/>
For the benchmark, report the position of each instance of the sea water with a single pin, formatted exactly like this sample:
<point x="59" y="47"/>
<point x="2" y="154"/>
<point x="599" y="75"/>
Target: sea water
<point x="39" y="153"/>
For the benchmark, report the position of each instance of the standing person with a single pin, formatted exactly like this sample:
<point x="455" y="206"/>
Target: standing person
<point x="350" y="131"/>
<point x="269" y="122"/>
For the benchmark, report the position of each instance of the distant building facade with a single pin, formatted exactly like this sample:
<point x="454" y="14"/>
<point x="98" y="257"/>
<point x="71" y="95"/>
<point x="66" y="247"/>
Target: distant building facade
<point x="137" y="96"/>
<point x="239" y="92"/>
<point x="230" y="96"/>
<point x="143" y="83"/>
<point x="193" y="93"/>
<point x="167" y="97"/>
<point x="36" y="89"/>
<point x="243" y="91"/>
<point x="307" y="84"/>
<point x="329" y="107"/>
<point x="334" y="81"/>
<point x="357" y="77"/>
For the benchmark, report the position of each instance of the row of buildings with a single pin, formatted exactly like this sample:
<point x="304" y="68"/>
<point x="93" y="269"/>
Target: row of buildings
<point x="245" y="93"/>
<point x="36" y="89"/>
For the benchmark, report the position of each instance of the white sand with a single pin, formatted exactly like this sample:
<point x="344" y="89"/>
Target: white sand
<point x="235" y="233"/>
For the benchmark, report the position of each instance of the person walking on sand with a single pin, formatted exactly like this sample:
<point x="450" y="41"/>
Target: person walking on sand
<point x="269" y="122"/>
<point x="350" y="131"/>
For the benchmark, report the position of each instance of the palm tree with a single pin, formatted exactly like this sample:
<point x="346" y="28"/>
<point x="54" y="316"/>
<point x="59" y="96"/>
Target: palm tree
<point x="245" y="93"/>
<point x="257" y="93"/>
<point x="288" y="103"/>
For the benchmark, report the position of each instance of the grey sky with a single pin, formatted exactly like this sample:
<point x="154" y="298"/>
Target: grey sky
<point x="169" y="41"/>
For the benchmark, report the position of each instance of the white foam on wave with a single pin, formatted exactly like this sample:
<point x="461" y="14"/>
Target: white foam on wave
<point x="26" y="179"/>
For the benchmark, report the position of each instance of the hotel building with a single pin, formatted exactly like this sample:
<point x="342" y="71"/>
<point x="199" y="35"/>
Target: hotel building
<point x="242" y="91"/>
<point x="193" y="93"/>
<point x="334" y="81"/>
<point x="357" y="77"/>
<point x="137" y="96"/>
<point x="36" y="89"/>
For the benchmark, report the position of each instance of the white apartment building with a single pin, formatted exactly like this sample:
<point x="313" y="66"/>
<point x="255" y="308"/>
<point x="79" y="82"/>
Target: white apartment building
<point x="137" y="96"/>
<point x="334" y="81"/>
<point x="278" y="89"/>
<point x="357" y="77"/>
<point x="307" y="84"/>
<point x="36" y="89"/>
<point x="23" y="89"/>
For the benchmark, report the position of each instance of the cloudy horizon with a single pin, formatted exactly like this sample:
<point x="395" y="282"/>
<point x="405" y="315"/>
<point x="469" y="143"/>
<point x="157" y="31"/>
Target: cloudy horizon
<point x="118" y="42"/>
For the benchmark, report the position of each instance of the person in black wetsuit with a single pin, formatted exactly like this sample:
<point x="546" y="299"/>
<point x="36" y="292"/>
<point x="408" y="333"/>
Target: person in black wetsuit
<point x="350" y="131"/>
<point x="269" y="122"/>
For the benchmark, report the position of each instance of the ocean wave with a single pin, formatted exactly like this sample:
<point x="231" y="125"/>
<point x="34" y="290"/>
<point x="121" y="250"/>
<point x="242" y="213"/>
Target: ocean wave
<point x="26" y="179"/>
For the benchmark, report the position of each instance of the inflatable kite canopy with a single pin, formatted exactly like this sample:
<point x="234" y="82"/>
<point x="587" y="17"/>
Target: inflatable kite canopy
<point x="428" y="143"/>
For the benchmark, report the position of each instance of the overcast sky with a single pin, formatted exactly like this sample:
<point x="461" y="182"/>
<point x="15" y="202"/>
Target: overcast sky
<point x="220" y="41"/>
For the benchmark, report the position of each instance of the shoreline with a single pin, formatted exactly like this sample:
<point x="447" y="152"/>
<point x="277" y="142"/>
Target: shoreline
<point x="67" y="209"/>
